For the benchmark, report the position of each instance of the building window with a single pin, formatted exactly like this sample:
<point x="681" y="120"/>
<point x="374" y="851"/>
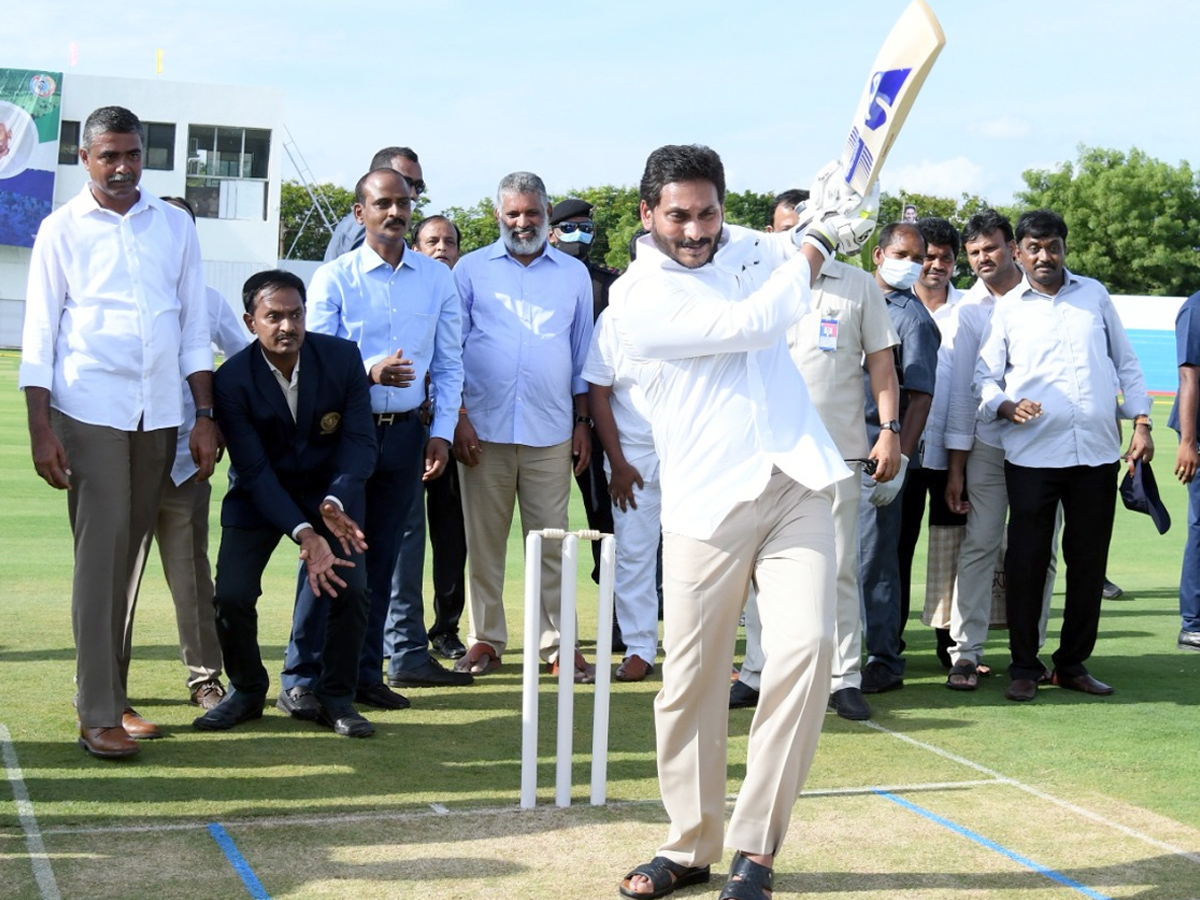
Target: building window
<point x="68" y="144"/>
<point x="227" y="171"/>
<point x="159" y="152"/>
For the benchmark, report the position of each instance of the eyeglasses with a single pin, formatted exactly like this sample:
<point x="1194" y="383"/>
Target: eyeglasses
<point x="572" y="227"/>
<point x="417" y="186"/>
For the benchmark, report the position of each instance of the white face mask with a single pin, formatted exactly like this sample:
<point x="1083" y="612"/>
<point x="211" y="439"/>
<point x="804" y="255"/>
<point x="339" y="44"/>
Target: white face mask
<point x="899" y="273"/>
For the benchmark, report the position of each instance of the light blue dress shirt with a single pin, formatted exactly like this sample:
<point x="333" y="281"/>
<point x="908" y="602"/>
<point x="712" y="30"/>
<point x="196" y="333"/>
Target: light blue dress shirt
<point x="413" y="308"/>
<point x="526" y="333"/>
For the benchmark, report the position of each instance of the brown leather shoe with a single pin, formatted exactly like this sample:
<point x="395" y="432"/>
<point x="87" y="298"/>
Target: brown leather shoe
<point x="137" y="727"/>
<point x="634" y="668"/>
<point x="108" y="743"/>
<point x="207" y="694"/>
<point x="1084" y="683"/>
<point x="1022" y="689"/>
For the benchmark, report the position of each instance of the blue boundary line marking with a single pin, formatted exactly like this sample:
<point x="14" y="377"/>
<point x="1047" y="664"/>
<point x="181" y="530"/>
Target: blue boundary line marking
<point x="992" y="845"/>
<point x="249" y="879"/>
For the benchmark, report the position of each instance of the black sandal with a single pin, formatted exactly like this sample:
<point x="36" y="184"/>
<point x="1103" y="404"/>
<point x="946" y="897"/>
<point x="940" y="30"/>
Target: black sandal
<point x="964" y="676"/>
<point x="665" y="876"/>
<point x="754" y="880"/>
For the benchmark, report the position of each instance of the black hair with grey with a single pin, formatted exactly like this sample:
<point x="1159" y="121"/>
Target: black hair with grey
<point x="383" y="159"/>
<point x="269" y="282"/>
<point x="681" y="162"/>
<point x="894" y="231"/>
<point x="984" y="223"/>
<point x="360" y="196"/>
<point x="1041" y="223"/>
<point x="522" y="183"/>
<point x="420" y="226"/>
<point x="937" y="230"/>
<point x="110" y="120"/>
<point x="789" y="199"/>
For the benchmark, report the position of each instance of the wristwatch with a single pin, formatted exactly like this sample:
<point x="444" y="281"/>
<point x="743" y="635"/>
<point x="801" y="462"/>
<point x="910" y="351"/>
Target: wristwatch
<point x="586" y="420"/>
<point x="205" y="412"/>
<point x="893" y="425"/>
<point x="1144" y="420"/>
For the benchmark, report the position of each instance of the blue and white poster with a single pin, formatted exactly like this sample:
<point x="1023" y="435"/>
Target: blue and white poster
<point x="29" y="113"/>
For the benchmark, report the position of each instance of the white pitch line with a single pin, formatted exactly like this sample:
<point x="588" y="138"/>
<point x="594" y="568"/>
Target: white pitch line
<point x="1040" y="794"/>
<point x="42" y="872"/>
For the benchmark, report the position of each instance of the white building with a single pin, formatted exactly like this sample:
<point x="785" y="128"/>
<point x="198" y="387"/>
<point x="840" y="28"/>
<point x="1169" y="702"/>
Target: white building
<point x="219" y="146"/>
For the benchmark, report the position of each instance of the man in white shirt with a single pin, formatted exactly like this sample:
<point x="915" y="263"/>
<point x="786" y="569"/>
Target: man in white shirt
<point x="115" y="314"/>
<point x="747" y="471"/>
<point x="1053" y="360"/>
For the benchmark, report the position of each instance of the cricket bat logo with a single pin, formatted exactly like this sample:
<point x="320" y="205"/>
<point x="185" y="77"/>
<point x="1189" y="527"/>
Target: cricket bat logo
<point x="899" y="71"/>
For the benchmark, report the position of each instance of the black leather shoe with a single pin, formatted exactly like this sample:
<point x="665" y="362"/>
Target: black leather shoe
<point x="1189" y="640"/>
<point x="299" y="703"/>
<point x="346" y="721"/>
<point x="234" y="709"/>
<point x="379" y="696"/>
<point x="448" y="645"/>
<point x="878" y="678"/>
<point x="1022" y="689"/>
<point x="1084" y="683"/>
<point x="431" y="674"/>
<point x="849" y="703"/>
<point x="742" y="696"/>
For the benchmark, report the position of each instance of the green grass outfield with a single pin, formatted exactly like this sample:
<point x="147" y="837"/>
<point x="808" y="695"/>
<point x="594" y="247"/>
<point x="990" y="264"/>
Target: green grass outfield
<point x="943" y="794"/>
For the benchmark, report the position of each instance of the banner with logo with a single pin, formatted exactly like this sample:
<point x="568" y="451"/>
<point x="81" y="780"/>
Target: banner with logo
<point x="30" y="100"/>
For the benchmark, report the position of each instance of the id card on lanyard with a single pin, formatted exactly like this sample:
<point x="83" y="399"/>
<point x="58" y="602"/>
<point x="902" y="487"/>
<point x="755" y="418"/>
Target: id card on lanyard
<point x="827" y="338"/>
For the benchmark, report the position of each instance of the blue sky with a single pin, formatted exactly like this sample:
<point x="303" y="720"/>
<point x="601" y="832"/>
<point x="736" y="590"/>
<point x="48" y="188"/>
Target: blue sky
<point x="581" y="93"/>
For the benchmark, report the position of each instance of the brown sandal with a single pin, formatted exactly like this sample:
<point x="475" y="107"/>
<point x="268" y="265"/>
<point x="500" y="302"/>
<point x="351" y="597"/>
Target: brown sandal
<point x="481" y="659"/>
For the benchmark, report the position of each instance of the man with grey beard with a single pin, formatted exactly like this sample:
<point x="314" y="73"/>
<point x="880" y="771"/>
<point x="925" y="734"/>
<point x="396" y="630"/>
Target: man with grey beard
<point x="527" y="325"/>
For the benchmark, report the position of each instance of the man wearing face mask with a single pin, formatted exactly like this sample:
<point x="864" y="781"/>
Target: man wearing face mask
<point x="898" y="258"/>
<point x="572" y="231"/>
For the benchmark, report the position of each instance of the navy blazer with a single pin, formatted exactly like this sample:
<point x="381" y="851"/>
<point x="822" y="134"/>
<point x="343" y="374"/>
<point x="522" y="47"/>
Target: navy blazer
<point x="279" y="469"/>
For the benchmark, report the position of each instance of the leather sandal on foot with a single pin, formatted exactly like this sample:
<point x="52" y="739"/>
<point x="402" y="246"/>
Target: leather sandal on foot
<point x="964" y="676"/>
<point x="753" y="881"/>
<point x="479" y="660"/>
<point x="664" y="876"/>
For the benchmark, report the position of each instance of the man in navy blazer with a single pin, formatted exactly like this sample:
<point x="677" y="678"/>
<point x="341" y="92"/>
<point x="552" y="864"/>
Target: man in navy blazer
<point x="296" y="417"/>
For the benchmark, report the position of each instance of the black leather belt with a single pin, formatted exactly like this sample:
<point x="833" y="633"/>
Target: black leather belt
<point x="392" y="418"/>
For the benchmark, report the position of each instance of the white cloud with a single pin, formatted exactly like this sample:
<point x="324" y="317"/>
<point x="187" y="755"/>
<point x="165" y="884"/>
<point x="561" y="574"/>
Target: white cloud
<point x="1002" y="128"/>
<point x="947" y="178"/>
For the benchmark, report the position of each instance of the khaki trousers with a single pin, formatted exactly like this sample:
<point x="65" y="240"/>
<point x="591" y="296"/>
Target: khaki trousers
<point x="783" y="540"/>
<point x="539" y="479"/>
<point x="117" y="480"/>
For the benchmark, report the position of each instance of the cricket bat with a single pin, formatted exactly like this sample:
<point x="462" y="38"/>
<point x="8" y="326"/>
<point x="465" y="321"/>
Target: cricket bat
<point x="899" y="71"/>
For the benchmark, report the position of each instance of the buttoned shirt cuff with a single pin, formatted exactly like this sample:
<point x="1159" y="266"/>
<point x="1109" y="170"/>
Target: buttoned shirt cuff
<point x="299" y="528"/>
<point x="992" y="399"/>
<point x="956" y="441"/>
<point x="1131" y="409"/>
<point x="32" y="374"/>
<point x="335" y="501"/>
<point x="196" y="361"/>
<point x="443" y="424"/>
<point x="579" y="385"/>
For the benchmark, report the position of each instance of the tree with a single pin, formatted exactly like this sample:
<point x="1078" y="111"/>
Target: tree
<point x="1133" y="221"/>
<point x="297" y="217"/>
<point x="476" y="223"/>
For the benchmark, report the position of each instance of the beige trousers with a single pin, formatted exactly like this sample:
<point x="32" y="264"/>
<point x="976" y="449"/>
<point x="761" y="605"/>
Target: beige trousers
<point x="783" y="540"/>
<point x="539" y="479"/>
<point x="117" y="480"/>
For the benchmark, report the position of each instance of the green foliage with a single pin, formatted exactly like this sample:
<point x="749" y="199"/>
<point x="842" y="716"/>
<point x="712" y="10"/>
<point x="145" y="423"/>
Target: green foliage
<point x="477" y="224"/>
<point x="748" y="209"/>
<point x="1133" y="220"/>
<point x="297" y="216"/>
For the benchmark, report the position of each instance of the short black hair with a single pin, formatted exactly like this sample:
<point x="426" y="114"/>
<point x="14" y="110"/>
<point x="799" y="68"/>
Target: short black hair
<point x="182" y="204"/>
<point x="890" y="233"/>
<point x="681" y="162"/>
<point x="420" y="226"/>
<point x="383" y="159"/>
<point x="360" y="197"/>
<point x="1041" y="223"/>
<point x="270" y="281"/>
<point x="937" y="230"/>
<point x="110" y="119"/>
<point x="984" y="223"/>
<point x="789" y="199"/>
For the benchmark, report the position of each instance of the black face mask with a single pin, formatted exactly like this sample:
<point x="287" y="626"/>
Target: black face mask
<point x="577" y="249"/>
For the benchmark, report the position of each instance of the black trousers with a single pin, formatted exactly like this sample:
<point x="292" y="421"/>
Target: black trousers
<point x="448" y="539"/>
<point x="243" y="557"/>
<point x="1088" y="496"/>
<point x="593" y="488"/>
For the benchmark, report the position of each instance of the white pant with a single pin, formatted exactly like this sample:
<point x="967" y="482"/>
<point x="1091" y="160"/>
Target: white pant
<point x="636" y="584"/>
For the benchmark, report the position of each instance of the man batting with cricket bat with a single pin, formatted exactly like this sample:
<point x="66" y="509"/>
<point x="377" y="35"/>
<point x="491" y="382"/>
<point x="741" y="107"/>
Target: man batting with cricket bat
<point x="747" y="470"/>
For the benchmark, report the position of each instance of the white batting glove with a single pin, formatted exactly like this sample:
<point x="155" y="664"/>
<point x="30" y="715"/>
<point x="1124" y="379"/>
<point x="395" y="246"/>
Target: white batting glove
<point x="885" y="493"/>
<point x="836" y="217"/>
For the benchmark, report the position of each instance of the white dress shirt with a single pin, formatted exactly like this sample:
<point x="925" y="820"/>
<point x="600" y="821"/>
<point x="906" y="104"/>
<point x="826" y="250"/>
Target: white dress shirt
<point x="946" y="319"/>
<point x="607" y="366"/>
<point x="115" y="312"/>
<point x="709" y="349"/>
<point x="414" y="308"/>
<point x="1069" y="353"/>
<point x="963" y="425"/>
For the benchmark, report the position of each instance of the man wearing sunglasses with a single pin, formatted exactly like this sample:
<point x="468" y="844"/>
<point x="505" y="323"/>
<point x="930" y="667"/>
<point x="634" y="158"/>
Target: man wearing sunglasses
<point x="350" y="233"/>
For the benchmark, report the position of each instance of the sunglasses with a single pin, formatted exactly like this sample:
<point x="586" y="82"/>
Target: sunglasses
<point x="572" y="227"/>
<point x="418" y="186"/>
